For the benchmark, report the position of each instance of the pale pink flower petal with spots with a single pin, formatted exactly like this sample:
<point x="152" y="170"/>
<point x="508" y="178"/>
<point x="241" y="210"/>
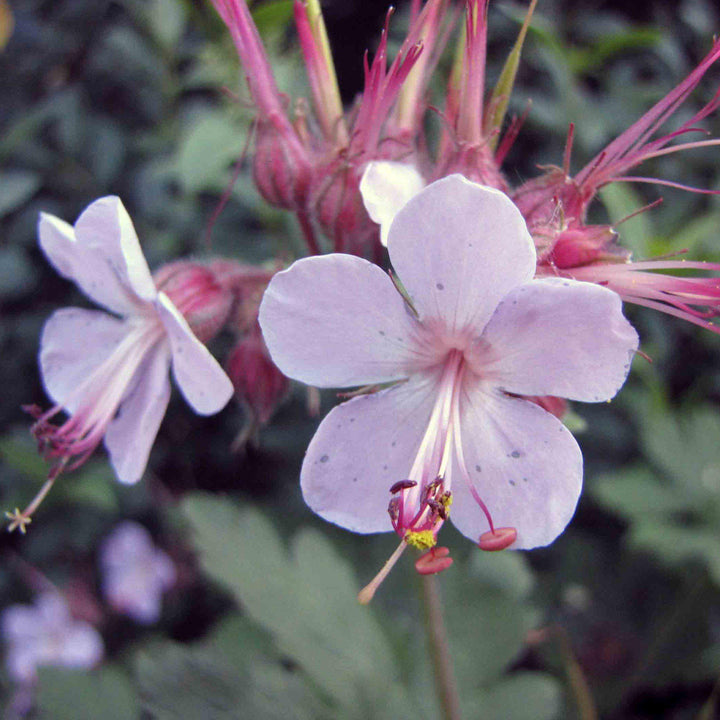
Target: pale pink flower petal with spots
<point x="343" y="302"/>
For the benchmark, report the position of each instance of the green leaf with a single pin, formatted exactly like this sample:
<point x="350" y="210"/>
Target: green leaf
<point x="678" y="545"/>
<point x="507" y="572"/>
<point x="686" y="448"/>
<point x="273" y="17"/>
<point x="522" y="696"/>
<point x="503" y="89"/>
<point x="206" y="151"/>
<point x="16" y="187"/>
<point x="234" y="674"/>
<point x="80" y="695"/>
<point x="167" y="19"/>
<point x="636" y="493"/>
<point x="177" y="682"/>
<point x="622" y="200"/>
<point x="306" y="600"/>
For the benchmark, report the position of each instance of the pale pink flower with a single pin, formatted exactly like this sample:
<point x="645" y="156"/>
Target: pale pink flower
<point x="110" y="372"/>
<point x="135" y="573"/>
<point x="385" y="187"/>
<point x="46" y="634"/>
<point x="453" y="361"/>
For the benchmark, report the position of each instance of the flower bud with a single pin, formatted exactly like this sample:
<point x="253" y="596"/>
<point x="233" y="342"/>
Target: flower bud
<point x="196" y="292"/>
<point x="581" y="245"/>
<point x="257" y="381"/>
<point x="281" y="169"/>
<point x="338" y="208"/>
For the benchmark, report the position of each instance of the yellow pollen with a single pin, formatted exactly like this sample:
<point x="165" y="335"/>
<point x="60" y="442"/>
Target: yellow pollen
<point x="446" y="501"/>
<point x="422" y="540"/>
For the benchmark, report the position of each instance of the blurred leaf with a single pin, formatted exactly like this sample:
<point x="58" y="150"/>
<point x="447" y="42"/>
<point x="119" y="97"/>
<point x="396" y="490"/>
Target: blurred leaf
<point x="679" y="545"/>
<point x="20" y="453"/>
<point x="210" y="145"/>
<point x="522" y="696"/>
<point x="636" y="492"/>
<point x="202" y="681"/>
<point x="686" y="446"/>
<point x="508" y="572"/>
<point x="16" y="273"/>
<point x="81" y="695"/>
<point x="16" y="187"/>
<point x="178" y="682"/>
<point x="486" y="626"/>
<point x="272" y="17"/>
<point x="621" y="200"/>
<point x="584" y="60"/>
<point x="307" y="601"/>
<point x="167" y="19"/>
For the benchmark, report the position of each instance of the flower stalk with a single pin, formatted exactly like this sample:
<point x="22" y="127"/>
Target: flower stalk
<point x="445" y="682"/>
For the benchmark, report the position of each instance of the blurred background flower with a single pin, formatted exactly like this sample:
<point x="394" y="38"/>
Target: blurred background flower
<point x="135" y="573"/>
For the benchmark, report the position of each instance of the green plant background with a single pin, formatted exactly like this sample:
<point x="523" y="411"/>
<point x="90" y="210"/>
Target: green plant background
<point x="127" y="98"/>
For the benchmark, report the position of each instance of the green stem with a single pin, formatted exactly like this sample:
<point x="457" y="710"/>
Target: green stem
<point x="439" y="650"/>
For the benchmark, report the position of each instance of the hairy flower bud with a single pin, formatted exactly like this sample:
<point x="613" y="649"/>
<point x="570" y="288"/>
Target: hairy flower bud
<point x="281" y="168"/>
<point x="339" y="209"/>
<point x="196" y="292"/>
<point x="583" y="245"/>
<point x="257" y="380"/>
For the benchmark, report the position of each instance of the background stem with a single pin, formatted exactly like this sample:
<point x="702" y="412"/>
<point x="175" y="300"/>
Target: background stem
<point x="439" y="650"/>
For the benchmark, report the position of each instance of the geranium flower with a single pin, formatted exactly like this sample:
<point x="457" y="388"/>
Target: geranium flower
<point x="454" y="354"/>
<point x="110" y="374"/>
<point x="46" y="634"/>
<point x="135" y="573"/>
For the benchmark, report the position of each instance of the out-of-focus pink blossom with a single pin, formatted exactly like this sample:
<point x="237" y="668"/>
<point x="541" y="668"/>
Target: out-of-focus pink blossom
<point x="45" y="634"/>
<point x="135" y="573"/>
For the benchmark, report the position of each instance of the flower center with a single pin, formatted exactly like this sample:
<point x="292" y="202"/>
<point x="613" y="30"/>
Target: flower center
<point x="421" y="503"/>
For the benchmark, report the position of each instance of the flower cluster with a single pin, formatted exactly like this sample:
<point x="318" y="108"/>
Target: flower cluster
<point x="314" y="165"/>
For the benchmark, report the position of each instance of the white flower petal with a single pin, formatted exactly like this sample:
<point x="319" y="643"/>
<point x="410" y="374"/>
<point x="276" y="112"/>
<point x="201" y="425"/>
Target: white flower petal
<point x="83" y="647"/>
<point x="74" y="343"/>
<point x="525" y="465"/>
<point x="458" y="249"/>
<point x="338" y="321"/>
<point x="85" y="266"/>
<point x="198" y="374"/>
<point x="386" y="187"/>
<point x="558" y="337"/>
<point x="106" y="230"/>
<point x="361" y="449"/>
<point x="131" y="434"/>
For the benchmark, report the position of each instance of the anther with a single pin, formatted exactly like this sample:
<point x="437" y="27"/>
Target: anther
<point x="402" y="485"/>
<point x="497" y="539"/>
